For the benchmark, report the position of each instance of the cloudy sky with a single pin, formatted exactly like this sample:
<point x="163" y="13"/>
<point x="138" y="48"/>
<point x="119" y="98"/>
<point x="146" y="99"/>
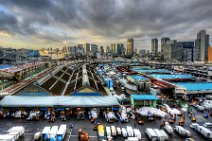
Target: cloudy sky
<point x="56" y="23"/>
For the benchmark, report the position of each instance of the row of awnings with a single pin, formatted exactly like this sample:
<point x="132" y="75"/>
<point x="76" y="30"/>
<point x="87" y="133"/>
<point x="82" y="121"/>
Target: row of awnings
<point x="63" y="101"/>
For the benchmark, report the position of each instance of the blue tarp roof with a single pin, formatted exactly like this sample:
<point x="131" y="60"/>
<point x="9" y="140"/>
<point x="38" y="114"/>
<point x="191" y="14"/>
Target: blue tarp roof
<point x="200" y="86"/>
<point x="5" y="66"/>
<point x="143" y="97"/>
<point x="138" y="77"/>
<point x="151" y="70"/>
<point x="172" y="76"/>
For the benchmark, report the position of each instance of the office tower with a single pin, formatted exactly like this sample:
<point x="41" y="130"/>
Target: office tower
<point x="94" y="50"/>
<point x="87" y="49"/>
<point x="130" y="47"/>
<point x="101" y="50"/>
<point x="120" y="49"/>
<point x="164" y="41"/>
<point x="188" y="51"/>
<point x="80" y="50"/>
<point x="201" y="46"/>
<point x="154" y="47"/>
<point x="168" y="50"/>
<point x="113" y="49"/>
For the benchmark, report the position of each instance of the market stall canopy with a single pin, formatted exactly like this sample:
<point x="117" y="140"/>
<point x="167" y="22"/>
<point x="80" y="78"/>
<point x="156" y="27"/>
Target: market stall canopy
<point x="50" y="101"/>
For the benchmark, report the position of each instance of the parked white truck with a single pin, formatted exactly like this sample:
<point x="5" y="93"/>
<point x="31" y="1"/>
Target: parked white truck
<point x="61" y="132"/>
<point x="182" y="131"/>
<point x="151" y="134"/>
<point x="207" y="133"/>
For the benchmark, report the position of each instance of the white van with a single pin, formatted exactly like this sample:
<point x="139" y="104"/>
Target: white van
<point x="168" y="129"/>
<point x="108" y="132"/>
<point x="207" y="133"/>
<point x="151" y="134"/>
<point x="124" y="132"/>
<point x="118" y="131"/>
<point x="166" y="137"/>
<point x="16" y="131"/>
<point x="45" y="133"/>
<point x="61" y="132"/>
<point x="113" y="131"/>
<point x="7" y="137"/>
<point x="130" y="131"/>
<point x="182" y="131"/>
<point x="53" y="132"/>
<point x="137" y="134"/>
<point x="161" y="137"/>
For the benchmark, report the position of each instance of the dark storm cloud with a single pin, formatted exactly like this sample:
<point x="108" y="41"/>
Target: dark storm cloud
<point x="117" y="19"/>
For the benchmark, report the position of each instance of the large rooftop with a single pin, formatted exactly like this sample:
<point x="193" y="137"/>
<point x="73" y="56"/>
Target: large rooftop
<point x="171" y="76"/>
<point x="69" y="80"/>
<point x="197" y="86"/>
<point x="148" y="71"/>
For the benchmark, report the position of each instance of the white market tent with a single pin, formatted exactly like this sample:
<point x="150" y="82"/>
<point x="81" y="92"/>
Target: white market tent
<point x="50" y="101"/>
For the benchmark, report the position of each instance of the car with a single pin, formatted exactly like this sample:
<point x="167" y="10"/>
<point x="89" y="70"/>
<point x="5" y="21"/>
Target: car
<point x="190" y="139"/>
<point x="194" y="125"/>
<point x="207" y="125"/>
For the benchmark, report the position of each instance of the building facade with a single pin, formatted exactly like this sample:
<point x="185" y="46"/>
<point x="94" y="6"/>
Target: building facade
<point x="154" y="47"/>
<point x="94" y="50"/>
<point x="169" y="49"/>
<point x="164" y="41"/>
<point x="113" y="49"/>
<point x="188" y="51"/>
<point x="87" y="49"/>
<point x="120" y="49"/>
<point x="201" y="46"/>
<point x="130" y="47"/>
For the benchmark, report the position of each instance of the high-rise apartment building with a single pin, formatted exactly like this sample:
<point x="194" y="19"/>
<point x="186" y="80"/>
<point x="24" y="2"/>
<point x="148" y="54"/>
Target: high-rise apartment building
<point x="201" y="46"/>
<point x="154" y="47"/>
<point x="113" y="49"/>
<point x="120" y="49"/>
<point x="130" y="47"/>
<point x="164" y="41"/>
<point x="94" y="50"/>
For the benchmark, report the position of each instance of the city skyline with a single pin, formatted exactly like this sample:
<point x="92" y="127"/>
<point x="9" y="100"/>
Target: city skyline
<point x="42" y="24"/>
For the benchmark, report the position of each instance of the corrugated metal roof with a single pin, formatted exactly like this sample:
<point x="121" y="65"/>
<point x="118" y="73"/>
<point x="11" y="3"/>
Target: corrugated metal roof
<point x="143" y="97"/>
<point x="45" y="101"/>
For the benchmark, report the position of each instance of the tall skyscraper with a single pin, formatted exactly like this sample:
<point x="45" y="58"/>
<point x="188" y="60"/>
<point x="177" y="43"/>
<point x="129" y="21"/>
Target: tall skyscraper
<point x="164" y="41"/>
<point x="120" y="49"/>
<point x="168" y="52"/>
<point x="101" y="50"/>
<point x="154" y="47"/>
<point x="87" y="49"/>
<point x="201" y="46"/>
<point x="130" y="47"/>
<point x="113" y="49"/>
<point x="94" y="50"/>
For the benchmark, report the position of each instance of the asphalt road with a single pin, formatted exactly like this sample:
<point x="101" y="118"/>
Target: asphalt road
<point x="32" y="127"/>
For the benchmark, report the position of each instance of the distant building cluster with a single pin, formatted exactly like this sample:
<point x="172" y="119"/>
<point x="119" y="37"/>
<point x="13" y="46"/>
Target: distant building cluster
<point x="172" y="50"/>
<point x="17" y="56"/>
